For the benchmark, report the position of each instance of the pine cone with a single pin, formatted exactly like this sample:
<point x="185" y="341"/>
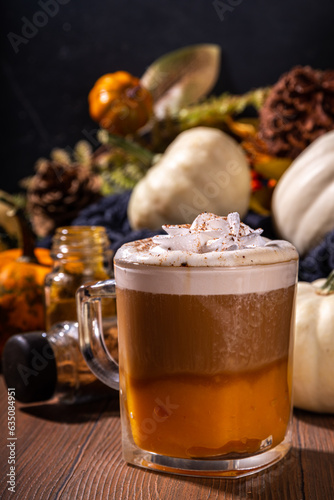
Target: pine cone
<point x="298" y="109"/>
<point x="57" y="193"/>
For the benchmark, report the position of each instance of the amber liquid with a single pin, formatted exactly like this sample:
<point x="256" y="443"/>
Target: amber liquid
<point x="206" y="376"/>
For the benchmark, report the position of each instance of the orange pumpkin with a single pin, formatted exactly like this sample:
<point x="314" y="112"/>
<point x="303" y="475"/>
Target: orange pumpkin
<point x="119" y="103"/>
<point x="22" y="275"/>
<point x="22" y="292"/>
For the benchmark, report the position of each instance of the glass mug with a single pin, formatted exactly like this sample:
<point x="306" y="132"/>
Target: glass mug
<point x="205" y="363"/>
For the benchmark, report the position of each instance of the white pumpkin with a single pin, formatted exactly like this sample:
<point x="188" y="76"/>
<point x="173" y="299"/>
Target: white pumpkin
<point x="313" y="374"/>
<point x="203" y="169"/>
<point x="303" y="200"/>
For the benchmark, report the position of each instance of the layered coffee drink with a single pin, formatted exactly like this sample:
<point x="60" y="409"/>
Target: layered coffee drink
<point x="205" y="319"/>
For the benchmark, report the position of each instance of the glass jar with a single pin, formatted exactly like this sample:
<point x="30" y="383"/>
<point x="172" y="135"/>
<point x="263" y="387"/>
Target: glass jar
<point x="44" y="366"/>
<point x="81" y="255"/>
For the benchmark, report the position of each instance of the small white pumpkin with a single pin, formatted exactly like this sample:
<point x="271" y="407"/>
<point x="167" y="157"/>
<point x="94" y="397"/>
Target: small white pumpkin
<point x="313" y="374"/>
<point x="303" y="200"/>
<point x="203" y="169"/>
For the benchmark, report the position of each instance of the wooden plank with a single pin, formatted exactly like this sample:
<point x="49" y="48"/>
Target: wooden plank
<point x="314" y="436"/>
<point x="74" y="452"/>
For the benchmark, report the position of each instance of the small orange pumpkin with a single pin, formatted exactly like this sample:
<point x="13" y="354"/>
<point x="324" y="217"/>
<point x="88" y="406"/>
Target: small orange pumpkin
<point x="22" y="275"/>
<point x="119" y="103"/>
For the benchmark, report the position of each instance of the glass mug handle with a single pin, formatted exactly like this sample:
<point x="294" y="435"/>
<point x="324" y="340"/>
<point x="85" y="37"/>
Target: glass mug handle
<point x="91" y="339"/>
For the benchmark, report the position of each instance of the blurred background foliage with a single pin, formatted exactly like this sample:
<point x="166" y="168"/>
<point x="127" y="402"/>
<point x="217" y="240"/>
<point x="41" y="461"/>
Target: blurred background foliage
<point x="48" y="70"/>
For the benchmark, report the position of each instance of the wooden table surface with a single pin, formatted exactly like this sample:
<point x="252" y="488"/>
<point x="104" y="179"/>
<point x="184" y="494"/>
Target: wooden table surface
<point x="74" y="452"/>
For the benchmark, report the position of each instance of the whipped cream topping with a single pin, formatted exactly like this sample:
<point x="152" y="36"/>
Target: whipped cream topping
<point x="210" y="233"/>
<point x="209" y="241"/>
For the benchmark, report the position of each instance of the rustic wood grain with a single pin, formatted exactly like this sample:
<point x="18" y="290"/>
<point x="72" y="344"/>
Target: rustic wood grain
<point x="74" y="452"/>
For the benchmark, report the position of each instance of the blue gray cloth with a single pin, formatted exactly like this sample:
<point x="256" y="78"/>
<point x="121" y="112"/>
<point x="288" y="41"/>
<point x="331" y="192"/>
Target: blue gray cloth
<point x="111" y="212"/>
<point x="317" y="263"/>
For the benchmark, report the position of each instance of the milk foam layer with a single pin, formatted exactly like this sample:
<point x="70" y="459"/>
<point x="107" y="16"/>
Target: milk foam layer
<point x="211" y="241"/>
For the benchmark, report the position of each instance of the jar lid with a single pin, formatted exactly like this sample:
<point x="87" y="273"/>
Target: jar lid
<point x="29" y="367"/>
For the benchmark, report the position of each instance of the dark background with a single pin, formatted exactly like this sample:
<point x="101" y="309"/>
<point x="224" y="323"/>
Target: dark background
<point x="48" y="76"/>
